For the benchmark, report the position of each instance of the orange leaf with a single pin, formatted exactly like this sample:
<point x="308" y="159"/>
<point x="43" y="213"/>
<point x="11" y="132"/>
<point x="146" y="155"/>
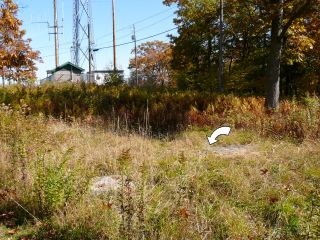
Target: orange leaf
<point x="107" y="205"/>
<point x="264" y="171"/>
<point x="274" y="200"/>
<point x="13" y="231"/>
<point x="129" y="190"/>
<point x="8" y="191"/>
<point x="184" y="213"/>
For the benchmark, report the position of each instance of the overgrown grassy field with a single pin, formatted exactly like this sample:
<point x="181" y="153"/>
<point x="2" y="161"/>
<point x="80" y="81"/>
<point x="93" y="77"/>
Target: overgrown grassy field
<point x="184" y="188"/>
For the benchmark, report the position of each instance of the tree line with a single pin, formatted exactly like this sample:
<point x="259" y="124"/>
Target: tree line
<point x="271" y="47"/>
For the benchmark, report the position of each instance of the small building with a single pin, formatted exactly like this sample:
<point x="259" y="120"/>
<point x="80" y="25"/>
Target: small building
<point x="72" y="73"/>
<point x="65" y="72"/>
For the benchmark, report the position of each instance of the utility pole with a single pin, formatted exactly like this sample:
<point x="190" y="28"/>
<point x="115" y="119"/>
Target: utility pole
<point x="90" y="53"/>
<point x="114" y="38"/>
<point x="135" y="52"/>
<point x="221" y="49"/>
<point x="56" y="33"/>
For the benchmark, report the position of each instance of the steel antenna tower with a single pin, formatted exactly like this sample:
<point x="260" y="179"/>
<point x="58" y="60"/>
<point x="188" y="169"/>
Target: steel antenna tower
<point x="76" y="26"/>
<point x="82" y="24"/>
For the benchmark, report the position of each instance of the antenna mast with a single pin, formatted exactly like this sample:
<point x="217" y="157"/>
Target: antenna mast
<point x="82" y="29"/>
<point x="76" y="26"/>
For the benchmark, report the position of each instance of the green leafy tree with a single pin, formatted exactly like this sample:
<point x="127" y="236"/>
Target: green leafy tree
<point x="259" y="38"/>
<point x="195" y="51"/>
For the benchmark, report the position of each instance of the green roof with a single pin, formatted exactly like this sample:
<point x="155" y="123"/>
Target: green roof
<point x="67" y="66"/>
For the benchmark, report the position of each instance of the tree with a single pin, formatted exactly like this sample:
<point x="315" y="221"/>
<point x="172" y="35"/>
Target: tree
<point x="153" y="59"/>
<point x="195" y="49"/>
<point x="312" y="51"/>
<point x="192" y="52"/>
<point x="16" y="56"/>
<point x="254" y="30"/>
<point x="278" y="31"/>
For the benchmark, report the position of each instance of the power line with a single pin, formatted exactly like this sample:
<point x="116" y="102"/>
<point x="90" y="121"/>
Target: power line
<point x="140" y="29"/>
<point x="155" y="23"/>
<point x="136" y="22"/>
<point x="54" y="54"/>
<point x="145" y="28"/>
<point x="97" y="49"/>
<point x="122" y="36"/>
<point x="51" y="45"/>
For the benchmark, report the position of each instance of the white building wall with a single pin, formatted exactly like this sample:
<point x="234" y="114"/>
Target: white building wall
<point x="99" y="78"/>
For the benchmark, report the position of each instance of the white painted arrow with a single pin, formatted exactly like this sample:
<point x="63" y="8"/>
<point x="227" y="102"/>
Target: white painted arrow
<point x="218" y="132"/>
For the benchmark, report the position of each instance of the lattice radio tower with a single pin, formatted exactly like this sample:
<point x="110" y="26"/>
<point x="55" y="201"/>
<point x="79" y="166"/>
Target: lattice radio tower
<point x="82" y="34"/>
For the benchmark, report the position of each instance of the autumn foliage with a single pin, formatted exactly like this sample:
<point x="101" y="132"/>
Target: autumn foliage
<point x="165" y="110"/>
<point x="153" y="60"/>
<point x="247" y="45"/>
<point x="16" y="56"/>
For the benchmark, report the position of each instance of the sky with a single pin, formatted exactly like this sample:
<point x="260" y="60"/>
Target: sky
<point x="150" y="17"/>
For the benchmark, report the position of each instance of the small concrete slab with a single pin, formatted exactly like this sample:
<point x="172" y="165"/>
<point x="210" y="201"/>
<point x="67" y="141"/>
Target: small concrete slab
<point x="232" y="149"/>
<point x="108" y="184"/>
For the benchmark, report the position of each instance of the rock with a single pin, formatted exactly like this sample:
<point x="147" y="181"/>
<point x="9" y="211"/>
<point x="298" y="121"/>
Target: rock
<point x="109" y="184"/>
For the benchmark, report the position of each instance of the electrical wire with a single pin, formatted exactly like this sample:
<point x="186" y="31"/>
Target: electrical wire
<point x="116" y="31"/>
<point x="54" y="54"/>
<point x="97" y="49"/>
<point x="140" y="29"/>
<point x="136" y="23"/>
<point x="154" y="23"/>
<point x="51" y="45"/>
<point x="51" y="55"/>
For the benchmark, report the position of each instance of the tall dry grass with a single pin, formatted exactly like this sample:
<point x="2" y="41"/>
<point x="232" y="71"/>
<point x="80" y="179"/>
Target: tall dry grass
<point x="184" y="188"/>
